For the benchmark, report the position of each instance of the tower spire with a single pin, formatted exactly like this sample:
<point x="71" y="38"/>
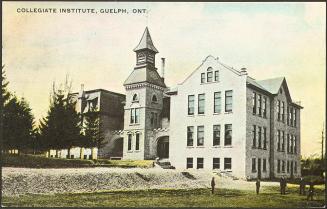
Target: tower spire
<point x="146" y="42"/>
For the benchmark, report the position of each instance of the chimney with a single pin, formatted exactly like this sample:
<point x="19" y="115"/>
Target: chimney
<point x="163" y="68"/>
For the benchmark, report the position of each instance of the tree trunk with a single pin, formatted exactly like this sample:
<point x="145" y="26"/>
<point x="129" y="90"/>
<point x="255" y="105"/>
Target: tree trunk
<point x="68" y="152"/>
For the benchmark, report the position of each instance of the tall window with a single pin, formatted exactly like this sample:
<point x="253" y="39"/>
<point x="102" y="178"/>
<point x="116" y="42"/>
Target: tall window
<point x="152" y="118"/>
<point x="291" y="146"/>
<point x="288" y="143"/>
<point x="203" y="77"/>
<point x="254" y="164"/>
<point x="189" y="162"/>
<point x="294" y="117"/>
<point x="216" y="75"/>
<point x="295" y="167"/>
<point x="283" y="166"/>
<point x="199" y="163"/>
<point x="259" y="137"/>
<point x="254" y="139"/>
<point x="135" y="112"/>
<point x="190" y="108"/>
<point x="137" y="115"/>
<point x="264" y="165"/>
<point x="295" y="145"/>
<point x="288" y="166"/>
<point x="216" y="163"/>
<point x="200" y="141"/>
<point x="137" y="142"/>
<point x="216" y="135"/>
<point x="228" y="134"/>
<point x="283" y="141"/>
<point x="278" y="166"/>
<point x="264" y="107"/>
<point x="259" y="104"/>
<point x="278" y="140"/>
<point x="132" y="115"/>
<point x="209" y="75"/>
<point x="227" y="163"/>
<point x="228" y="101"/>
<point x="217" y="102"/>
<point x="190" y="135"/>
<point x="283" y="111"/>
<point x="291" y="116"/>
<point x="278" y="110"/>
<point x="288" y="115"/>
<point x="201" y="103"/>
<point x="129" y="146"/>
<point x="254" y="103"/>
<point x="264" y="138"/>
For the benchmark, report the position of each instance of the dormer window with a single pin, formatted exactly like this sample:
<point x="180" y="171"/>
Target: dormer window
<point x="216" y="75"/>
<point x="135" y="98"/>
<point x="209" y="74"/>
<point x="154" y="99"/>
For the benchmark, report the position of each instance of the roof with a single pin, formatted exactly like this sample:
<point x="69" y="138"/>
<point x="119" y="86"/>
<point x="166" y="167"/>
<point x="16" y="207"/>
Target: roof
<point x="145" y="75"/>
<point x="146" y="42"/>
<point x="272" y="85"/>
<point x="101" y="90"/>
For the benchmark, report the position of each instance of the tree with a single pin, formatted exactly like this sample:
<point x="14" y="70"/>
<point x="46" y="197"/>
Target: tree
<point x="92" y="129"/>
<point x="18" y="124"/>
<point x="61" y="128"/>
<point x="4" y="91"/>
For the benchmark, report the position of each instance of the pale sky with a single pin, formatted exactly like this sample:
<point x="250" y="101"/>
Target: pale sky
<point x="269" y="39"/>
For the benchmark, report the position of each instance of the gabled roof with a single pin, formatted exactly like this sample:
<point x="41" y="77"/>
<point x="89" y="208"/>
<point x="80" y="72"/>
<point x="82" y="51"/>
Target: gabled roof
<point x="145" y="75"/>
<point x="146" y="42"/>
<point x="272" y="85"/>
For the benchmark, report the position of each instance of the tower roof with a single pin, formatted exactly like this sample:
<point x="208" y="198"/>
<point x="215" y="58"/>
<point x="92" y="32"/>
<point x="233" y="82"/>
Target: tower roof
<point x="146" y="42"/>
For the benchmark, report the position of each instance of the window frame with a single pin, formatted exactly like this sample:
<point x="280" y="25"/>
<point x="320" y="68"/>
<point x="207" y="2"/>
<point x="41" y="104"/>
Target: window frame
<point x="199" y="164"/>
<point x="217" y="102"/>
<point x="201" y="104"/>
<point x="227" y="98"/>
<point x="216" y="165"/>
<point x="225" y="163"/>
<point x="129" y="142"/>
<point x="189" y="102"/>
<point x="137" y="141"/>
<point x="198" y="136"/>
<point x="228" y="127"/>
<point x="188" y="140"/>
<point x="189" y="162"/>
<point x="215" y="139"/>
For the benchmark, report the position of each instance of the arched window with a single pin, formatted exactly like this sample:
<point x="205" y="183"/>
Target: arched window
<point x="135" y="98"/>
<point x="154" y="99"/>
<point x="209" y="74"/>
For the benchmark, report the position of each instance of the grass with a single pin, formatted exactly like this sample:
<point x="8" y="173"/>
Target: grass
<point x="37" y="161"/>
<point x="268" y="198"/>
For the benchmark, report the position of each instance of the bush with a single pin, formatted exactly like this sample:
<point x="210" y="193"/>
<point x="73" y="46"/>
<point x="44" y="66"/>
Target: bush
<point x="34" y="161"/>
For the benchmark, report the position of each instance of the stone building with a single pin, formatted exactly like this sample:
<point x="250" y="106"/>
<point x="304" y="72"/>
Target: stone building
<point x="218" y="118"/>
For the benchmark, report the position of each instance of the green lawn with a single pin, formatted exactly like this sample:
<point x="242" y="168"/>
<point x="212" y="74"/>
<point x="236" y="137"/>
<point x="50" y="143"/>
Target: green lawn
<point x="269" y="197"/>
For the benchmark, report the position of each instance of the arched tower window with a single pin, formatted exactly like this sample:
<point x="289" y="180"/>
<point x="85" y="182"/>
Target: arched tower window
<point x="154" y="99"/>
<point x="135" y="98"/>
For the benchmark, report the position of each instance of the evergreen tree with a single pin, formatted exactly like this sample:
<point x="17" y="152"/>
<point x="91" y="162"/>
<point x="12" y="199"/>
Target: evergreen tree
<point x="92" y="129"/>
<point x="61" y="128"/>
<point x="4" y="92"/>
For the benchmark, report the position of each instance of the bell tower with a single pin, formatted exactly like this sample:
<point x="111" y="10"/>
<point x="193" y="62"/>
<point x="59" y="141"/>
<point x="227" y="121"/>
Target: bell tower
<point x="144" y="102"/>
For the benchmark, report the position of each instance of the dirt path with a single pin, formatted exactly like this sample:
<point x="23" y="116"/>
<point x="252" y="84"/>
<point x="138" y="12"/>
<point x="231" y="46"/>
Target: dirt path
<point x="18" y="181"/>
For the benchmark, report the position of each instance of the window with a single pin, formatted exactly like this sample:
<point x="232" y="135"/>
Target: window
<point x="254" y="133"/>
<point x="135" y="98"/>
<point x="129" y="142"/>
<point x="216" y="163"/>
<point x="278" y="166"/>
<point x="283" y="141"/>
<point x="227" y="163"/>
<point x="259" y="104"/>
<point x="189" y="162"/>
<point x="200" y="141"/>
<point x="137" y="143"/>
<point x="288" y="115"/>
<point x="278" y="110"/>
<point x="283" y="166"/>
<point x="288" y="167"/>
<point x="264" y="107"/>
<point x="291" y="147"/>
<point x="209" y="76"/>
<point x="288" y="143"/>
<point x="132" y="116"/>
<point x="254" y="164"/>
<point x="216" y="75"/>
<point x="295" y="145"/>
<point x="264" y="165"/>
<point x="203" y="77"/>
<point x="201" y="102"/>
<point x="264" y="138"/>
<point x="216" y="135"/>
<point x="137" y="114"/>
<point x="190" y="135"/>
<point x="217" y="102"/>
<point x="278" y="140"/>
<point x="228" y="101"/>
<point x="295" y="167"/>
<point x="228" y="134"/>
<point x="155" y="119"/>
<point x="154" y="99"/>
<point x="199" y="163"/>
<point x="294" y="117"/>
<point x="283" y="111"/>
<point x="152" y="118"/>
<point x="291" y="116"/>
<point x="190" y="108"/>
<point x="259" y="137"/>
<point x="254" y="102"/>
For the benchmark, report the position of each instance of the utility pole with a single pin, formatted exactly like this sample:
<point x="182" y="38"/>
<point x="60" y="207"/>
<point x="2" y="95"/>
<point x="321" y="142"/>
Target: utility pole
<point x="322" y="143"/>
